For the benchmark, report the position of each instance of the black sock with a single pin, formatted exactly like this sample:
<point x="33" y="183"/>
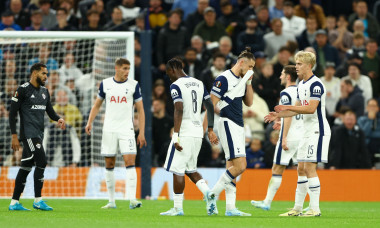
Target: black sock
<point x="38" y="181"/>
<point x="20" y="183"/>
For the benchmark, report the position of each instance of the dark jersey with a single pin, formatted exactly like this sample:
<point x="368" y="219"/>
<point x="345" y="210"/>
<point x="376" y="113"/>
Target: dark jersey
<point x="32" y="103"/>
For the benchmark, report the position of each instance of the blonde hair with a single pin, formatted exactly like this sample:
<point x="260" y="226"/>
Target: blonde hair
<point x="306" y="57"/>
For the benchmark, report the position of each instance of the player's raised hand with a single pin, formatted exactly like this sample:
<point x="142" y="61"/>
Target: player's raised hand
<point x="280" y="108"/>
<point x="212" y="137"/>
<point x="141" y="140"/>
<point x="88" y="128"/>
<point x="270" y="117"/>
<point x="61" y="124"/>
<point x="15" y="143"/>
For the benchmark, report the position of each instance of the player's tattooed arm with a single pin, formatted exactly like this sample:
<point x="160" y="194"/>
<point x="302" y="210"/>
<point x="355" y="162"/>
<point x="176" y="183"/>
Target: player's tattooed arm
<point x="178" y="113"/>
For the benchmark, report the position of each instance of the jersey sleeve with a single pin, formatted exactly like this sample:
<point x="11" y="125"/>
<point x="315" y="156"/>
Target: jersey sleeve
<point x="220" y="86"/>
<point x="285" y="98"/>
<point x="101" y="93"/>
<point x="316" y="91"/>
<point x="206" y="95"/>
<point x="137" y="94"/>
<point x="18" y="95"/>
<point x="15" y="106"/>
<point x="176" y="93"/>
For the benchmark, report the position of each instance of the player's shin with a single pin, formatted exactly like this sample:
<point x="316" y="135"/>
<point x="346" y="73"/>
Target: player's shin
<point x="110" y="182"/>
<point x="225" y="179"/>
<point x="274" y="185"/>
<point x="38" y="182"/>
<point x="131" y="183"/>
<point x="230" y="196"/>
<point x="20" y="183"/>
<point x="315" y="191"/>
<point x="301" y="191"/>
<point x="202" y="186"/>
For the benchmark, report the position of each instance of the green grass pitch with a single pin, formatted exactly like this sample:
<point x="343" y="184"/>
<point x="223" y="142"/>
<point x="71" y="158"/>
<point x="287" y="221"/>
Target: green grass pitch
<point x="87" y="213"/>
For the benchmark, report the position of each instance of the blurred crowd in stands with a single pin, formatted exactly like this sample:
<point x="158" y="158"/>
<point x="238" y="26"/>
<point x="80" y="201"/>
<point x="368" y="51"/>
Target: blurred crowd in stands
<point x="208" y="35"/>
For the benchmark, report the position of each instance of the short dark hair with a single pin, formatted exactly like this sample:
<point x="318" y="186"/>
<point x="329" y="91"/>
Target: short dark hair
<point x="122" y="61"/>
<point x="291" y="70"/>
<point x="284" y="48"/>
<point x="91" y="11"/>
<point x="247" y="54"/>
<point x="42" y="2"/>
<point x="177" y="11"/>
<point x="354" y="64"/>
<point x="190" y="49"/>
<point x="63" y="9"/>
<point x="175" y="64"/>
<point x="370" y="40"/>
<point x="218" y="55"/>
<point x="348" y="82"/>
<point x="288" y="3"/>
<point x="37" y="67"/>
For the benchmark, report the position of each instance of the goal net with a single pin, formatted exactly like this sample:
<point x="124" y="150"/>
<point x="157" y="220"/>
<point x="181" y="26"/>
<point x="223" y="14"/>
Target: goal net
<point x="77" y="62"/>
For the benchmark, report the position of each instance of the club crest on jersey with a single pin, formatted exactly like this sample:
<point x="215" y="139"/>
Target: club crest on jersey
<point x="218" y="84"/>
<point x="317" y="90"/>
<point x="118" y="99"/>
<point x="43" y="96"/>
<point x="126" y="91"/>
<point x="38" y="146"/>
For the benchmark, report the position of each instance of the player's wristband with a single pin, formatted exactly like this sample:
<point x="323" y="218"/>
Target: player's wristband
<point x="249" y="82"/>
<point x="175" y="137"/>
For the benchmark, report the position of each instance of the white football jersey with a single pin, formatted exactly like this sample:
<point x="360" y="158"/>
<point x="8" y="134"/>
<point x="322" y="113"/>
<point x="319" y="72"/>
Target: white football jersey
<point x="316" y="123"/>
<point x="119" y="97"/>
<point x="288" y="96"/>
<point x="191" y="92"/>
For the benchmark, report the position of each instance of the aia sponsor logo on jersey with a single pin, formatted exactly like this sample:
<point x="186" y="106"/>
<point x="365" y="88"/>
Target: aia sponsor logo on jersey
<point x="118" y="99"/>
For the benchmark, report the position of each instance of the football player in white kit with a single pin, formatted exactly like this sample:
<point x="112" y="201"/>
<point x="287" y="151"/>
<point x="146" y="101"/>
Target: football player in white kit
<point x="188" y="95"/>
<point x="120" y="94"/>
<point x="311" y="97"/>
<point x="288" y="142"/>
<point x="233" y="87"/>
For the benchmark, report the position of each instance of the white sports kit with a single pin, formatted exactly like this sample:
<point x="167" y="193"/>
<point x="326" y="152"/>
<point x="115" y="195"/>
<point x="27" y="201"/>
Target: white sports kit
<point x="191" y="92"/>
<point x="316" y="135"/>
<point x="118" y="122"/>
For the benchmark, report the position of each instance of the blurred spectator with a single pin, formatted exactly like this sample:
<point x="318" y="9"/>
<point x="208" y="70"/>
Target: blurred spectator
<point x="93" y="18"/>
<point x="307" y="37"/>
<point x="371" y="65"/>
<point x="193" y="66"/>
<point x="269" y="147"/>
<point x="217" y="157"/>
<point x="188" y="6"/>
<point x="264" y="24"/>
<point x="277" y="11"/>
<point x="251" y="9"/>
<point x="253" y="116"/>
<point x="62" y="146"/>
<point x="306" y="9"/>
<point x="69" y="69"/>
<point x="325" y="52"/>
<point x="63" y="25"/>
<point x="197" y="44"/>
<point x="36" y="19"/>
<point x="5" y="133"/>
<point x="370" y="124"/>
<point x="362" y="81"/>
<point x="231" y="19"/>
<point x="371" y="26"/>
<point x="358" y="46"/>
<point x="196" y="17"/>
<point x="209" y="74"/>
<point x="162" y="123"/>
<point x="172" y="39"/>
<point x="342" y="70"/>
<point x="251" y="37"/>
<point x="160" y="92"/>
<point x="268" y="86"/>
<point x="351" y="98"/>
<point x="44" y="57"/>
<point x="210" y="30"/>
<point x="71" y="113"/>
<point x="284" y="55"/>
<point x="116" y="23"/>
<point x="92" y="5"/>
<point x="330" y="24"/>
<point x="49" y="19"/>
<point x="140" y="24"/>
<point x="21" y="16"/>
<point x="276" y="39"/>
<point x="10" y="72"/>
<point x="290" y="22"/>
<point x="129" y="9"/>
<point x="13" y="159"/>
<point x="70" y="14"/>
<point x="255" y="155"/>
<point x="332" y="85"/>
<point x="359" y="27"/>
<point x="348" y="149"/>
<point x="225" y="47"/>
<point x="10" y="88"/>
<point x="7" y="21"/>
<point x="261" y="59"/>
<point x="157" y="15"/>
<point x="341" y="38"/>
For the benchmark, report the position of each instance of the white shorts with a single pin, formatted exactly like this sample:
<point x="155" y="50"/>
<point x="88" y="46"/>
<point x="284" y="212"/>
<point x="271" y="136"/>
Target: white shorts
<point x="111" y="140"/>
<point x="232" y="138"/>
<point x="283" y="157"/>
<point x="185" y="161"/>
<point x="314" y="149"/>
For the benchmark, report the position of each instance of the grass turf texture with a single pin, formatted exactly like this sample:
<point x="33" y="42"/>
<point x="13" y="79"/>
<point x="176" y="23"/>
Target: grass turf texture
<point x="87" y="213"/>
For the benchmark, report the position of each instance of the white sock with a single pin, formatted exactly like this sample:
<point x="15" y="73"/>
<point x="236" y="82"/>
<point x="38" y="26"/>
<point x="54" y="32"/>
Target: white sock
<point x="202" y="186"/>
<point x="131" y="183"/>
<point x="37" y="199"/>
<point x="273" y="186"/>
<point x="315" y="191"/>
<point x="110" y="181"/>
<point x="230" y="196"/>
<point x="301" y="192"/>
<point x="13" y="202"/>
<point x="178" y="200"/>
<point x="225" y="179"/>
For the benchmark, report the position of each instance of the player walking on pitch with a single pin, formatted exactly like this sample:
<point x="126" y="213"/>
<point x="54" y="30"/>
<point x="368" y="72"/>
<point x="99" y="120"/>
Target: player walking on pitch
<point x="188" y="94"/>
<point x="311" y="97"/>
<point x="31" y="99"/>
<point x="120" y="94"/>
<point x="288" y="142"/>
<point x="229" y="91"/>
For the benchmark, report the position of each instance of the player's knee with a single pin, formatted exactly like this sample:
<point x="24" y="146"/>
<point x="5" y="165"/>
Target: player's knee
<point x="129" y="163"/>
<point x="41" y="164"/>
<point x="110" y="165"/>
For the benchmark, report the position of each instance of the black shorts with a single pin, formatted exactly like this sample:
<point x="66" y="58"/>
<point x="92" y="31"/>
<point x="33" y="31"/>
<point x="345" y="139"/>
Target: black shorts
<point x="33" y="153"/>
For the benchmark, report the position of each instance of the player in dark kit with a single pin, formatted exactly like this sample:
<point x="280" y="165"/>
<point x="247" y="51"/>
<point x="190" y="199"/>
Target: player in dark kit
<point x="31" y="99"/>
